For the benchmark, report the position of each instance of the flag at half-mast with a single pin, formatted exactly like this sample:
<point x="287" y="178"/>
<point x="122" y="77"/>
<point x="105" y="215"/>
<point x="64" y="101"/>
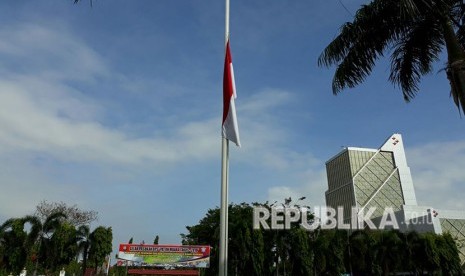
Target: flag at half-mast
<point x="230" y="126"/>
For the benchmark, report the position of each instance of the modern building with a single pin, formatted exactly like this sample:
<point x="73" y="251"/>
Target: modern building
<point x="378" y="179"/>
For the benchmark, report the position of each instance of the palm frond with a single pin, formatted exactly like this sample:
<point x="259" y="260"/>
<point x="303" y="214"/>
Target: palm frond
<point x="361" y="43"/>
<point x="408" y="7"/>
<point x="53" y="221"/>
<point x="77" y="1"/>
<point x="336" y="51"/>
<point x="410" y="27"/>
<point x="4" y="226"/>
<point x="414" y="54"/>
<point x="418" y="7"/>
<point x="461" y="36"/>
<point x="36" y="228"/>
<point x="457" y="16"/>
<point x="456" y="76"/>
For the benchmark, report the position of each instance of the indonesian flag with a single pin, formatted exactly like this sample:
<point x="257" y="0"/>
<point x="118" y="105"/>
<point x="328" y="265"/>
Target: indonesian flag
<point x="230" y="127"/>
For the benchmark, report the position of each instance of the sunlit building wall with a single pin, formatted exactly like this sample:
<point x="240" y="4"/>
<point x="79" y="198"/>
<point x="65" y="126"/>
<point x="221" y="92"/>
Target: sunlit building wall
<point x="380" y="178"/>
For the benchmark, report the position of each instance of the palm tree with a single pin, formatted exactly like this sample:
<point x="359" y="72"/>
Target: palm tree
<point x="300" y="255"/>
<point x="3" y="229"/>
<point x="13" y="244"/>
<point x="428" y="253"/>
<point x="329" y="249"/>
<point x="359" y="249"/>
<point x="41" y="231"/>
<point x="413" y="245"/>
<point x="448" y="255"/>
<point x="415" y="32"/>
<point x="389" y="250"/>
<point x="83" y="235"/>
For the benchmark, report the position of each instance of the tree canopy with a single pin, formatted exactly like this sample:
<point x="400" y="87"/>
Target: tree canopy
<point x="297" y="251"/>
<point x="48" y="243"/>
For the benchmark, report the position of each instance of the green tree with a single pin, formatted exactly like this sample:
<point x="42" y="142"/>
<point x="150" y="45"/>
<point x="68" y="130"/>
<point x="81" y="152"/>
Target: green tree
<point x="40" y="235"/>
<point x="61" y="248"/>
<point x="415" y="32"/>
<point x="412" y="260"/>
<point x="389" y="251"/>
<point x="428" y="252"/>
<point x="296" y="251"/>
<point x="246" y="246"/>
<point x="100" y="245"/>
<point x="155" y="241"/>
<point x="449" y="259"/>
<point x="300" y="255"/>
<point x="329" y="249"/>
<point x="359" y="257"/>
<point x="13" y="245"/>
<point x="375" y="252"/>
<point x="206" y="232"/>
<point x="54" y="242"/>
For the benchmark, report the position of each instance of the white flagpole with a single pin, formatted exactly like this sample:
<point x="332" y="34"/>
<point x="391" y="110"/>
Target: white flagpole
<point x="223" y="262"/>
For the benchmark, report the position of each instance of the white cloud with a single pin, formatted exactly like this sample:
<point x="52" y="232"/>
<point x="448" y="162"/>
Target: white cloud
<point x="309" y="182"/>
<point x="265" y="135"/>
<point x="50" y="53"/>
<point x="41" y="113"/>
<point x="44" y="116"/>
<point x="265" y="101"/>
<point x="29" y="125"/>
<point x="438" y="173"/>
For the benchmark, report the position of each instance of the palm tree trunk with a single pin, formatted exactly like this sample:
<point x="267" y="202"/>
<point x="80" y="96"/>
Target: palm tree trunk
<point x="84" y="260"/>
<point x="36" y="265"/>
<point x="385" y="269"/>
<point x="456" y="65"/>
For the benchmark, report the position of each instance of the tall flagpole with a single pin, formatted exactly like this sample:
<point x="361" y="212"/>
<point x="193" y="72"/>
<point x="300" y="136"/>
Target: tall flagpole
<point x="223" y="262"/>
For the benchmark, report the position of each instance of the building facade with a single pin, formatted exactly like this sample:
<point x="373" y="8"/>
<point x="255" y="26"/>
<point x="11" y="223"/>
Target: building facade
<point x="377" y="179"/>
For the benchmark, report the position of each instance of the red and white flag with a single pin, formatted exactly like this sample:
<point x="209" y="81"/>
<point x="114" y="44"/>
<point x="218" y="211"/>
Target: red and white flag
<point x="230" y="126"/>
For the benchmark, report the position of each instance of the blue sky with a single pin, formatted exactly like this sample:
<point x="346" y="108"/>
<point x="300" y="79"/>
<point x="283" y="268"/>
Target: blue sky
<point x="117" y="108"/>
